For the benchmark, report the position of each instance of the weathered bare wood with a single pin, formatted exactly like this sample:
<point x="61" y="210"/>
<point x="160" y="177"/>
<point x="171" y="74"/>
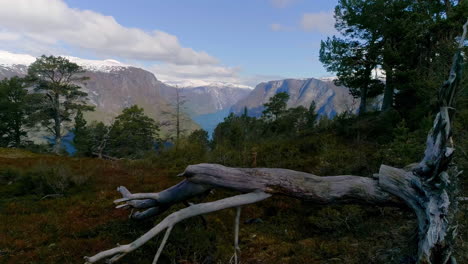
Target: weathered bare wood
<point x="157" y="203"/>
<point x="203" y="177"/>
<point x="437" y="186"/>
<point x="194" y="210"/>
<point x="163" y="243"/>
<point x="305" y="186"/>
<point x="236" y="235"/>
<point x="431" y="210"/>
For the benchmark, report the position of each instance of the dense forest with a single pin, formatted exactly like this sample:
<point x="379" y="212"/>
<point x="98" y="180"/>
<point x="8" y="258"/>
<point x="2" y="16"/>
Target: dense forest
<point x="56" y="207"/>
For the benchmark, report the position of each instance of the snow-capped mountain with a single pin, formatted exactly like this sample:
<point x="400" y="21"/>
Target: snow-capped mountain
<point x="14" y="60"/>
<point x="99" y="65"/>
<point x="207" y="99"/>
<point x="329" y="98"/>
<point x="201" y="83"/>
<point x="112" y="86"/>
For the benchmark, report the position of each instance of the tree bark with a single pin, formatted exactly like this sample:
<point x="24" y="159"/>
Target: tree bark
<point x="365" y="89"/>
<point x="57" y="125"/>
<point x="363" y="103"/>
<point x="301" y="185"/>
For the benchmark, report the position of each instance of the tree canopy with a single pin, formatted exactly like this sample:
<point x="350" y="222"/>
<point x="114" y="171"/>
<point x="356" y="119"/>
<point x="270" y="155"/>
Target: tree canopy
<point x="15" y="111"/>
<point x="132" y="134"/>
<point x="57" y="79"/>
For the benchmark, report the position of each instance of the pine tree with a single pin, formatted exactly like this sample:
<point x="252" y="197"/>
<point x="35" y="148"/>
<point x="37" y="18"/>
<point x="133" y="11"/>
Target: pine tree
<point x="56" y="78"/>
<point x="82" y="138"/>
<point x="133" y="133"/>
<point x="355" y="55"/>
<point x="15" y="111"/>
<point x="276" y="106"/>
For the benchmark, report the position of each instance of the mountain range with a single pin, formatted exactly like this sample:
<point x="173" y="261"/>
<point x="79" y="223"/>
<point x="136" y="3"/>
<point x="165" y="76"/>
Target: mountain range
<point x="329" y="98"/>
<point x="113" y="86"/>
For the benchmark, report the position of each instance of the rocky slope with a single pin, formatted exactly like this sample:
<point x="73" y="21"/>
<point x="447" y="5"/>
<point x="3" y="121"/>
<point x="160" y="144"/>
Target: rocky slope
<point x="202" y="100"/>
<point x="329" y="98"/>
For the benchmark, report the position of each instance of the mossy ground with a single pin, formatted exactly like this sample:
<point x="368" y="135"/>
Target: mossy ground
<point x="84" y="222"/>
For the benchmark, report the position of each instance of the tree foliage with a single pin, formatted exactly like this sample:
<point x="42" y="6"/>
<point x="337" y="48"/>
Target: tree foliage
<point x="276" y="106"/>
<point x="132" y="134"/>
<point x="15" y="111"/>
<point x="82" y="136"/>
<point x="56" y="79"/>
<point x="410" y="42"/>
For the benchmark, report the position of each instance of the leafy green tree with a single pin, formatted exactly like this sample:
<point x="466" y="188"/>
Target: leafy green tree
<point x="199" y="137"/>
<point x="132" y="134"/>
<point x="99" y="139"/>
<point x="15" y="111"/>
<point x="56" y="79"/>
<point x="293" y="121"/>
<point x="276" y="106"/>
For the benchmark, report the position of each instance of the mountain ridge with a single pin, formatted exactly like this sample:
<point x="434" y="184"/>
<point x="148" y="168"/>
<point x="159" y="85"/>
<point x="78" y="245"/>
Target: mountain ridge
<point x="112" y="86"/>
<point x="329" y="98"/>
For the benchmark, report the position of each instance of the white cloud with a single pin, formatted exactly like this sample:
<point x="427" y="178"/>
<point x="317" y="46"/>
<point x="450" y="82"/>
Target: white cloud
<point x="52" y="21"/>
<point x="282" y="3"/>
<point x="184" y="75"/>
<point x="259" y="78"/>
<point x="193" y="73"/>
<point x="321" y="22"/>
<point x="9" y="36"/>
<point x="280" y="27"/>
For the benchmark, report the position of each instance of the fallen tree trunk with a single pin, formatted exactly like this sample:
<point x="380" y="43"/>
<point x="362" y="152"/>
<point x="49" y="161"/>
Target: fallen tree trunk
<point x="201" y="178"/>
<point x="430" y="188"/>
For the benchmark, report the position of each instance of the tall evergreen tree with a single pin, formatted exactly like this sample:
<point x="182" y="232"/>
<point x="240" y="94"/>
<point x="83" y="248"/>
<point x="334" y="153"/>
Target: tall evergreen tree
<point x="354" y="56"/>
<point x="82" y="138"/>
<point x="312" y="116"/>
<point x="133" y="133"/>
<point x="56" y="79"/>
<point x="276" y="106"/>
<point x="15" y="111"/>
<point x="410" y="41"/>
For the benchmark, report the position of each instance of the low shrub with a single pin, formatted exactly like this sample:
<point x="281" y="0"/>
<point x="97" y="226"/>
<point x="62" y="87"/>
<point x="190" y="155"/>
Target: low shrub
<point x="41" y="179"/>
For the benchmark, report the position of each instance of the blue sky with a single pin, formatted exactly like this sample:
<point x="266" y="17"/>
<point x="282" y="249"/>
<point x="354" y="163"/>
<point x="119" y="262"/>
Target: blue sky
<point x="241" y="41"/>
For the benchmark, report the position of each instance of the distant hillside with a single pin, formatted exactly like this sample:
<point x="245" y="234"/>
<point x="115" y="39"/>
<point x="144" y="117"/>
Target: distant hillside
<point x="203" y="100"/>
<point x="329" y="98"/>
<point x="208" y="104"/>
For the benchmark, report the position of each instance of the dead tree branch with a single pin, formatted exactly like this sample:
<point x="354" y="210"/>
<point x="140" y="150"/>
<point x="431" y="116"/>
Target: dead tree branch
<point x="168" y="222"/>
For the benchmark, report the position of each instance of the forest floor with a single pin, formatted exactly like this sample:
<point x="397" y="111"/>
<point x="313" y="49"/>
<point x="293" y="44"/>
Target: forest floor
<point x="62" y="229"/>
